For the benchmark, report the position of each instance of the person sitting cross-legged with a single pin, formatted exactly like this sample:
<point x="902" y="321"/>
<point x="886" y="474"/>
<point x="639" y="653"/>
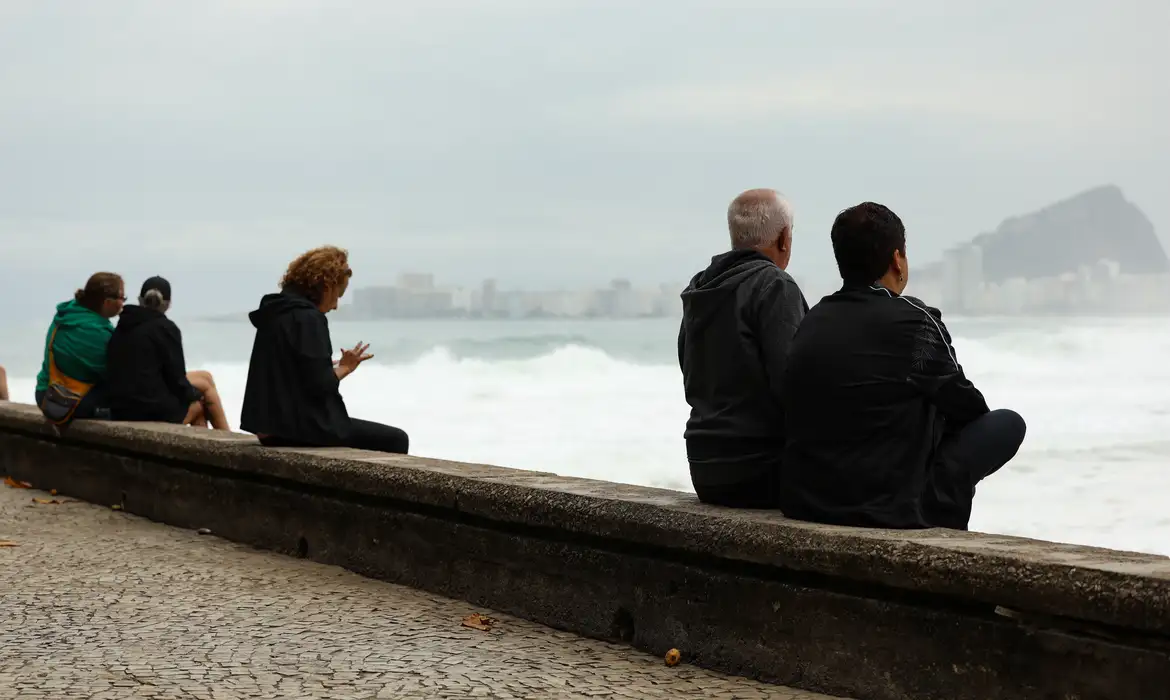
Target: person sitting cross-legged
<point x="884" y="428"/>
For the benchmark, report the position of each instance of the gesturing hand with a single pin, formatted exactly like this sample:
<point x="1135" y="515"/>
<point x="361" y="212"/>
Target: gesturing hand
<point x="350" y="359"/>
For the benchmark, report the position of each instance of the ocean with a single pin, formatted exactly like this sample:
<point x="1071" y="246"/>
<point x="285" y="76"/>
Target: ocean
<point x="603" y="399"/>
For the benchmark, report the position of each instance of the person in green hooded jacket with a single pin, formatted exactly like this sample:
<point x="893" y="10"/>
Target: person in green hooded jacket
<point x="83" y="329"/>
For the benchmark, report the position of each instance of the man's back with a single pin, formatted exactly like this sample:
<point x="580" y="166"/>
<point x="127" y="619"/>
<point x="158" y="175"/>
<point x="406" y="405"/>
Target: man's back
<point x="738" y="318"/>
<point x="862" y="409"/>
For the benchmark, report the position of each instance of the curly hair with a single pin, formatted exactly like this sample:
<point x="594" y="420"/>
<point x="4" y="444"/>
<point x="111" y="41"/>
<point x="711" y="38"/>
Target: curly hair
<point x="317" y="270"/>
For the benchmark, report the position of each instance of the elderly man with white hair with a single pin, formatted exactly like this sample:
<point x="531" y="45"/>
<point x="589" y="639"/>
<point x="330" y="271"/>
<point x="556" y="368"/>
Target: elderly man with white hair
<point x="739" y="316"/>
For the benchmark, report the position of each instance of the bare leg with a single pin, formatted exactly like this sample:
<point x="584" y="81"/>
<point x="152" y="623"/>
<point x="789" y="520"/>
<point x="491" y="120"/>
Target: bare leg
<point x="3" y="385"/>
<point x="212" y="406"/>
<point x="196" y="416"/>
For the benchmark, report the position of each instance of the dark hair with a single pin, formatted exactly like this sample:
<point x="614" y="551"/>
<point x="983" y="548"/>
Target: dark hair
<point x="864" y="240"/>
<point x="98" y="288"/>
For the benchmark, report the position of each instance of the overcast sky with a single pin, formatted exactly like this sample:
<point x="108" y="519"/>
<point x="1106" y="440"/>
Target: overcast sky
<point x="546" y="142"/>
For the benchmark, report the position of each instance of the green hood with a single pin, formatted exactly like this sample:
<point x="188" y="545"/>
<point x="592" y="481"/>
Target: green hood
<point x="80" y="347"/>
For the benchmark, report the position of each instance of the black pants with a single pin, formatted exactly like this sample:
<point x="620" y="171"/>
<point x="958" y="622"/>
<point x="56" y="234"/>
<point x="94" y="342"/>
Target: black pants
<point x="364" y="435"/>
<point x="965" y="457"/>
<point x="741" y="482"/>
<point x="759" y="492"/>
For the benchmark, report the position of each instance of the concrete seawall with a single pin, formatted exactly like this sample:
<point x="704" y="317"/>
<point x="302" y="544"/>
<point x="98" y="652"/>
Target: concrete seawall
<point x="868" y="614"/>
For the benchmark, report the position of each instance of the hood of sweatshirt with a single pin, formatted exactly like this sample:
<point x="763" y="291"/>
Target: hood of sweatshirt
<point x="717" y="285"/>
<point x="71" y="314"/>
<point x="274" y="305"/>
<point x="134" y="316"/>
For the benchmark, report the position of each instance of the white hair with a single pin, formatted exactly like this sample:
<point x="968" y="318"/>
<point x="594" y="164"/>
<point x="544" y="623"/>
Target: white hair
<point x="153" y="299"/>
<point x="757" y="218"/>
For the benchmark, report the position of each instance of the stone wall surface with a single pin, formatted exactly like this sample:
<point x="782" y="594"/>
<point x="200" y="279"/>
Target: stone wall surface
<point x="863" y="613"/>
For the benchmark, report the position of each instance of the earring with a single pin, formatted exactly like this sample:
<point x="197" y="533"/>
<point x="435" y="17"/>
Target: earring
<point x="900" y="278"/>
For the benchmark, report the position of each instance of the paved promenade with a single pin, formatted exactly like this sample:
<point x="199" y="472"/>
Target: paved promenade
<point x="98" y="604"/>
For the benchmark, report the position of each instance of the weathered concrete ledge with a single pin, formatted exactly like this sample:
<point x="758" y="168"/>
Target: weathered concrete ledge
<point x="865" y="613"/>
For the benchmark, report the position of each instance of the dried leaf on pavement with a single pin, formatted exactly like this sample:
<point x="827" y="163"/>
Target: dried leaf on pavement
<point x="8" y="543"/>
<point x="13" y="483"/>
<point x="479" y="622"/>
<point x="48" y="501"/>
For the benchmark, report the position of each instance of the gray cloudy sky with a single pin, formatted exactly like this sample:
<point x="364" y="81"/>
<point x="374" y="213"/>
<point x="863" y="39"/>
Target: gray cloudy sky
<point x="546" y="142"/>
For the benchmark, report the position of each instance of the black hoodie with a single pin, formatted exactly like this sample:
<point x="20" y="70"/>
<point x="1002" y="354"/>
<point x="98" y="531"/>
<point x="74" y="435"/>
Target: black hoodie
<point x="292" y="391"/>
<point x="146" y="375"/>
<point x="739" y="316"/>
<point x="872" y="384"/>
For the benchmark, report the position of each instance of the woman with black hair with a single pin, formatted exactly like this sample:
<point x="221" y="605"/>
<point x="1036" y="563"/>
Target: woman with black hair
<point x="884" y="428"/>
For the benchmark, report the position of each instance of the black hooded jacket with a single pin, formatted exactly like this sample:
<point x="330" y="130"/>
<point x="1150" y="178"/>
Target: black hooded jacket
<point x="146" y="375"/>
<point x="739" y="316"/>
<point x="292" y="391"/>
<point x="872" y="383"/>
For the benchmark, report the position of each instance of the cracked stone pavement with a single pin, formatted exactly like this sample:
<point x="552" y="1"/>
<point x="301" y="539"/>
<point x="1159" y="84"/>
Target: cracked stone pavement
<point x="95" y="603"/>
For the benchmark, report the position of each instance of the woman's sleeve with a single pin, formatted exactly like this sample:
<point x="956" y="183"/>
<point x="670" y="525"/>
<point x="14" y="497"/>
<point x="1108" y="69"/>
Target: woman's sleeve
<point x="314" y="353"/>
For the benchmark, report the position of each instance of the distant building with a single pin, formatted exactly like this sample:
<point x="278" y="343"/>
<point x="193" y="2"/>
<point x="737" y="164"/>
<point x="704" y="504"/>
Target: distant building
<point x="414" y="296"/>
<point x="951" y="290"/>
<point x="417" y="295"/>
<point x="416" y="282"/>
<point x="487" y="299"/>
<point x="970" y="277"/>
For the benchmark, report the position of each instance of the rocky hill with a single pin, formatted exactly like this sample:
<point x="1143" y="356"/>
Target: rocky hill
<point x="1081" y="230"/>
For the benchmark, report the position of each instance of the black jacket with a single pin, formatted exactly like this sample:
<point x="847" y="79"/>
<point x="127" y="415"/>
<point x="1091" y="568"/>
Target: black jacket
<point x="292" y="391"/>
<point x="872" y="382"/>
<point x="738" y="319"/>
<point x="146" y="375"/>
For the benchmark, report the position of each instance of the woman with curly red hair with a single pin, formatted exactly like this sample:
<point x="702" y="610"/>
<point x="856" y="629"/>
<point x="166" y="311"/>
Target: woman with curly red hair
<point x="292" y="397"/>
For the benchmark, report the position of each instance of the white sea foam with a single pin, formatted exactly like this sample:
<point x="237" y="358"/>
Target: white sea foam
<point x="1095" y="467"/>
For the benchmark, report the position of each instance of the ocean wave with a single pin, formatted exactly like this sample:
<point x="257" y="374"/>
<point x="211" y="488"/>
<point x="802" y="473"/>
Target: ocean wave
<point x="518" y="347"/>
